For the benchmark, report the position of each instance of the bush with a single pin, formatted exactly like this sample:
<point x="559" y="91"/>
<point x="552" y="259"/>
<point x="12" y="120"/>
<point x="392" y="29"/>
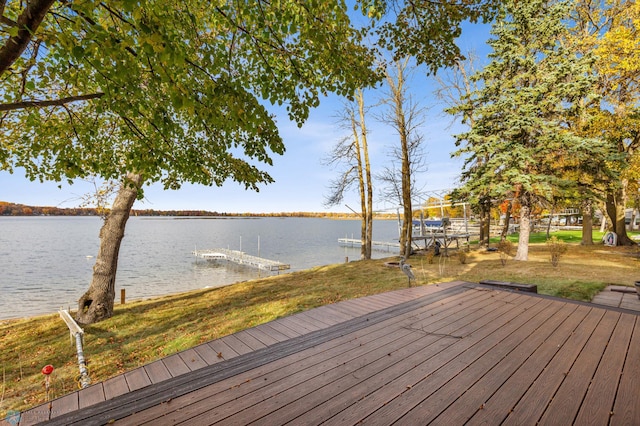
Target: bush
<point x="556" y="249"/>
<point x="505" y="247"/>
<point x="429" y="255"/>
<point x="462" y="256"/>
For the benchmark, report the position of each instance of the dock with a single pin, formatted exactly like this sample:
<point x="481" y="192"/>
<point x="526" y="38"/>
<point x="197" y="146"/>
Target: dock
<point x="376" y="245"/>
<point x="241" y="258"/>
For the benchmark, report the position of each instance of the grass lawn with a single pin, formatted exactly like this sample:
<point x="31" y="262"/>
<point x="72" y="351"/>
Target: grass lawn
<point x="143" y="331"/>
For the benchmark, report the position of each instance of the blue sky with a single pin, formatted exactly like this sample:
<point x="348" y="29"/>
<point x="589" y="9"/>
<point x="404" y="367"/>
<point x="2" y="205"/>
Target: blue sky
<point x="301" y="179"/>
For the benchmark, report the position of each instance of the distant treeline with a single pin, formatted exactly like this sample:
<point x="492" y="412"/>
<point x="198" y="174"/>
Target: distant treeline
<point x="11" y="209"/>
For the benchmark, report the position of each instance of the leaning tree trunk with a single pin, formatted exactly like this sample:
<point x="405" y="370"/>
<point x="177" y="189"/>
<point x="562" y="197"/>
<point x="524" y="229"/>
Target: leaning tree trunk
<point x="97" y="303"/>
<point x="587" y="223"/>
<point x="525" y="229"/>
<point x="615" y="203"/>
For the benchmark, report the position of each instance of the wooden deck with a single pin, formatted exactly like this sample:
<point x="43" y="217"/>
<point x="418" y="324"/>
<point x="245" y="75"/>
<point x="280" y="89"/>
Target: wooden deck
<point x="455" y="353"/>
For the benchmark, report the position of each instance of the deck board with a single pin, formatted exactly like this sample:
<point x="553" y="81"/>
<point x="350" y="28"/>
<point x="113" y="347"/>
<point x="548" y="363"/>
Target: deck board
<point x="465" y="396"/>
<point x="253" y="381"/>
<point x="598" y="403"/>
<point x="626" y="409"/>
<point x="91" y="395"/>
<point x="66" y="404"/>
<point x="455" y="353"/>
<point x="156" y="372"/>
<point x="176" y="365"/>
<point x="238" y="344"/>
<point x="208" y="354"/>
<point x="568" y="399"/>
<point x="533" y="404"/>
<point x="511" y="390"/>
<point x="138" y="378"/>
<point x="497" y="323"/>
<point x="278" y="326"/>
<point x="249" y="340"/>
<point x="424" y="392"/>
<point x="115" y="386"/>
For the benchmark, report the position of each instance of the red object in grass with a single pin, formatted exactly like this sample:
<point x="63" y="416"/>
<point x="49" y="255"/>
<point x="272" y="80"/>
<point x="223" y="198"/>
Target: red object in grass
<point x="47" y="369"/>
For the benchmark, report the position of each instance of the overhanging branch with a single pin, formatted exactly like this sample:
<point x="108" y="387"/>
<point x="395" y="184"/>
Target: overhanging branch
<point x="55" y="102"/>
<point x="28" y="22"/>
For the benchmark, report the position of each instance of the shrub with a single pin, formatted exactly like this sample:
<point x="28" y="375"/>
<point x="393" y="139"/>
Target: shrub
<point x="556" y="249"/>
<point x="462" y="256"/>
<point x="505" y="247"/>
<point x="429" y="255"/>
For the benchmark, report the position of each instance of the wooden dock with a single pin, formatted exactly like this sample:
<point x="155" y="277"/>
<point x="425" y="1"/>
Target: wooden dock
<point x="241" y="258"/>
<point x="376" y="245"/>
<point x="419" y="241"/>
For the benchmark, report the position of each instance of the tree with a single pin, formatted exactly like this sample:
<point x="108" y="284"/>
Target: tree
<point x="610" y="31"/>
<point x="404" y="115"/>
<point x="155" y="91"/>
<point x="619" y="69"/>
<point x="353" y="150"/>
<point x="531" y="87"/>
<point x="456" y="86"/>
<point x="163" y="92"/>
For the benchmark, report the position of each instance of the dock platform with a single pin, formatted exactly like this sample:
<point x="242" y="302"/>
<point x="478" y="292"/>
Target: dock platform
<point x="376" y="245"/>
<point x="242" y="258"/>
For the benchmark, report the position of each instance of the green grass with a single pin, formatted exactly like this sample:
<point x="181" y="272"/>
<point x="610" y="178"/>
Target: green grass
<point x="144" y="331"/>
<point x="566" y="236"/>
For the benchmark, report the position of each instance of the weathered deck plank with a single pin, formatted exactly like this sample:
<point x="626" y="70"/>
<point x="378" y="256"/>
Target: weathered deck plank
<point x="492" y="410"/>
<point x="115" y="386"/>
<point x="246" y="338"/>
<point x="626" y="410"/>
<point x="566" y="403"/>
<point x="156" y="372"/>
<point x="253" y="381"/>
<point x="91" y="395"/>
<point x="466" y="394"/>
<point x="425" y="391"/>
<point x="238" y="345"/>
<point x="137" y="378"/>
<point x="499" y="322"/>
<point x="364" y="374"/>
<point x="455" y="353"/>
<point x="66" y="404"/>
<point x="222" y="349"/>
<point x="533" y="404"/>
<point x="597" y="406"/>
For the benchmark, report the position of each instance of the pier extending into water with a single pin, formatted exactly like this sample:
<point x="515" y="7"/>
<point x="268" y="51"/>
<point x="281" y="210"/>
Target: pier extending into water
<point x="375" y="245"/>
<point x="241" y="258"/>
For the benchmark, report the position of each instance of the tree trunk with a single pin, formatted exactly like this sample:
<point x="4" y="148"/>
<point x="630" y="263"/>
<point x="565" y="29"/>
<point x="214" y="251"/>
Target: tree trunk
<point x="525" y="228"/>
<point x="616" y="201"/>
<point x="407" y="225"/>
<point x="507" y="219"/>
<point x="483" y="236"/>
<point x="368" y="218"/>
<point x="97" y="303"/>
<point x="587" y="223"/>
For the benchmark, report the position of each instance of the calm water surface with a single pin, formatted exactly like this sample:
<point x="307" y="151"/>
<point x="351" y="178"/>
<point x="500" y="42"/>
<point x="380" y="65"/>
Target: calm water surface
<point x="46" y="262"/>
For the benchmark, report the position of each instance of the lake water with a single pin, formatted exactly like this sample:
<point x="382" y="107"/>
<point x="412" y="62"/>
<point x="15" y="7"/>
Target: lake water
<point x="46" y="262"/>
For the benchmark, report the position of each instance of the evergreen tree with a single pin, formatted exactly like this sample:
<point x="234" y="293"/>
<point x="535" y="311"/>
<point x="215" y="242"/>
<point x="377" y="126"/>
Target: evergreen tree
<point x="532" y="90"/>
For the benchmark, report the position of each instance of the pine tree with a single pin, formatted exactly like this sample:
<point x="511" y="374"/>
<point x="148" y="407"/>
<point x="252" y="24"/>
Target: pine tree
<point x="521" y="136"/>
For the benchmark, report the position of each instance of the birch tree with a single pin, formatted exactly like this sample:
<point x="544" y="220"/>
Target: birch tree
<point x="405" y="117"/>
<point x="352" y="153"/>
